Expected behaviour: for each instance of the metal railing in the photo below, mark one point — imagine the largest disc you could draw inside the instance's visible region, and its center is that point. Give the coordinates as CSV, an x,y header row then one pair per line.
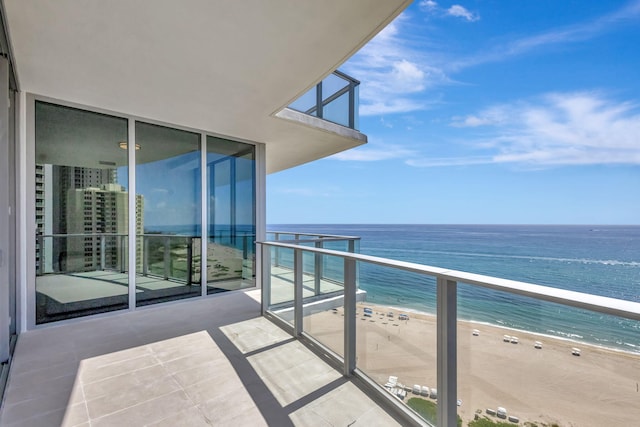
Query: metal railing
x,y
81,252
446,315
334,99
317,266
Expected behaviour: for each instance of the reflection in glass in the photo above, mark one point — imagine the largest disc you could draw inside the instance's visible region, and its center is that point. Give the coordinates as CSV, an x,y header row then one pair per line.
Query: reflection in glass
x,y
167,214
81,213
231,207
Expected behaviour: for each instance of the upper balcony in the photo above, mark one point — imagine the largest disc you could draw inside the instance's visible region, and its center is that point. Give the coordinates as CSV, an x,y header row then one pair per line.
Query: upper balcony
x,y
334,99
230,68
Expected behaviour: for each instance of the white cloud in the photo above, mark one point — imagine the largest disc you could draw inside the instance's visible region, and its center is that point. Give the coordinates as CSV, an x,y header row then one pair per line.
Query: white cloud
x,y
428,5
490,116
457,11
373,153
557,129
308,192
567,34
394,72
390,106
462,12
449,161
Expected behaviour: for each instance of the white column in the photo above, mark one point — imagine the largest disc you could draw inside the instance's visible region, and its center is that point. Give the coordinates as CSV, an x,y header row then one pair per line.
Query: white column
x,y
5,322
131,153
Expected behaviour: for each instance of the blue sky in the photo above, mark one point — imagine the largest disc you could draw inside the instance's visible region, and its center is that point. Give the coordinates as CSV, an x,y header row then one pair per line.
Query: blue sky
x,y
493,111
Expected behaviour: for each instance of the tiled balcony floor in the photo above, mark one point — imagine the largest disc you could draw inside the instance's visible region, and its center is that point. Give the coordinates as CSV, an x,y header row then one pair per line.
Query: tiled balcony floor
x,y
203,362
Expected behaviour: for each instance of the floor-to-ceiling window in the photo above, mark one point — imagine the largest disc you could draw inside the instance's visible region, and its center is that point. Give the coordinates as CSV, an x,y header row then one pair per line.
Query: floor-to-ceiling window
x,y
231,215
168,192
84,223
81,214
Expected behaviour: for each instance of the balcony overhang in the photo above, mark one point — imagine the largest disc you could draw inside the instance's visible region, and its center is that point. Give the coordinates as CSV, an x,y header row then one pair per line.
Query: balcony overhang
x,y
224,67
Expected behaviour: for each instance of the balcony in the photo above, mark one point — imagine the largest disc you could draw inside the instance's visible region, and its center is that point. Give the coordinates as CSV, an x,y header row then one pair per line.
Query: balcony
x,y
334,99
325,353
451,369
211,361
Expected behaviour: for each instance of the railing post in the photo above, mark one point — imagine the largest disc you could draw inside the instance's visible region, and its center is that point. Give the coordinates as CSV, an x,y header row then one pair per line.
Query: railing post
x,y
352,105
123,255
94,252
352,245
318,268
265,252
297,292
145,255
189,260
40,239
276,261
103,250
167,257
319,111
349,316
447,378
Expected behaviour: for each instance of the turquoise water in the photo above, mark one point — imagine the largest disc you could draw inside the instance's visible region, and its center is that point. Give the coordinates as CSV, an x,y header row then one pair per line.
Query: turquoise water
x,y
601,260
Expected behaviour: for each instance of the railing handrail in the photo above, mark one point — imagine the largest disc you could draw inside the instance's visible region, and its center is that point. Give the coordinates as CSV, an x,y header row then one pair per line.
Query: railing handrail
x,y
121,234
319,235
596,303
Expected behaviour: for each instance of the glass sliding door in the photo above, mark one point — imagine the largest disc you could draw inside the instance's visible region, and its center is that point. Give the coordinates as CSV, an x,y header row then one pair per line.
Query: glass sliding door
x,y
81,215
231,215
168,214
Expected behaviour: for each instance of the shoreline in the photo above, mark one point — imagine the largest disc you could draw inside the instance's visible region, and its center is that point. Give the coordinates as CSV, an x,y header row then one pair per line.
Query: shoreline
x,y
509,328
547,385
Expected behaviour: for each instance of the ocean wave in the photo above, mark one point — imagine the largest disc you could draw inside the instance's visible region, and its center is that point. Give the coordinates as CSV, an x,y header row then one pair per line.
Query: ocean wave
x,y
612,262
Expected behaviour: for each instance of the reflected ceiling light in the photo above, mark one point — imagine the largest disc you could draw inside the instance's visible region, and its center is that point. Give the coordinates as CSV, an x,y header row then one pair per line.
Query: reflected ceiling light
x,y
124,145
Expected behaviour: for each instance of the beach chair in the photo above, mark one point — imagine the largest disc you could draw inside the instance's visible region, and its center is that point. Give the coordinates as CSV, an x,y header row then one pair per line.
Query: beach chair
x,y
392,382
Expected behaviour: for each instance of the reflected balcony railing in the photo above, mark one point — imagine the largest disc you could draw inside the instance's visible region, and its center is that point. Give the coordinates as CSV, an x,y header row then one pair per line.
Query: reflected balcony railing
x,y
335,99
442,368
169,257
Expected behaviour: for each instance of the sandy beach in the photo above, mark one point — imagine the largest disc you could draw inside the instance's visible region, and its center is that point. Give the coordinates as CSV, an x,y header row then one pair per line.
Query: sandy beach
x,y
547,385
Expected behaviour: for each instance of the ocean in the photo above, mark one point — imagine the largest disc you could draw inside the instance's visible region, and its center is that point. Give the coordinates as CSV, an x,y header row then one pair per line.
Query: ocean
x,y
601,260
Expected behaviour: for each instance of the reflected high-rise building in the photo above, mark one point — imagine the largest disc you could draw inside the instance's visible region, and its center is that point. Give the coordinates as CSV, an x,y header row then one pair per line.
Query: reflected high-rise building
x,y
97,227
85,213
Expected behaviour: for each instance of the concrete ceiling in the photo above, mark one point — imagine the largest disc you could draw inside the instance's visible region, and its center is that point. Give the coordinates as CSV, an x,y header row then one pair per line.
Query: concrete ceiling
x,y
226,67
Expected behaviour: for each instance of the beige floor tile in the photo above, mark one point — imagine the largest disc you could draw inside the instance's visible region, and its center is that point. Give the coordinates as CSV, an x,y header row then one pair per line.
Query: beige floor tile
x,y
75,415
147,412
191,417
169,365
112,386
130,395
117,368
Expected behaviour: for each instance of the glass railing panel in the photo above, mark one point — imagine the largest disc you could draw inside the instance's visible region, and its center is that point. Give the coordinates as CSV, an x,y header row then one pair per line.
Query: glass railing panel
x,y
337,110
332,84
526,361
324,311
166,268
306,101
396,335
281,289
